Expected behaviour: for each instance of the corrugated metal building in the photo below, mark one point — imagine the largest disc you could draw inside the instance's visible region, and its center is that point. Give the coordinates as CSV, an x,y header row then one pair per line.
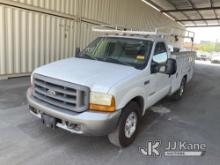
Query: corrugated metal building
x,y
36,32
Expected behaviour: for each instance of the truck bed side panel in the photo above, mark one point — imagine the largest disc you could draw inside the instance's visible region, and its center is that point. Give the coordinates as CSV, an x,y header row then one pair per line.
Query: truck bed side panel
x,y
185,67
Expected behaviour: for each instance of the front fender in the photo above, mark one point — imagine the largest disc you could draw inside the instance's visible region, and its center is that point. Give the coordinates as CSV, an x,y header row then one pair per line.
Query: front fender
x,y
130,88
123,98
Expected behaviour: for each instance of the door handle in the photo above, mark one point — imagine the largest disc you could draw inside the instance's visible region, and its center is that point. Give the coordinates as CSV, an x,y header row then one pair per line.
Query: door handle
x,y
147,82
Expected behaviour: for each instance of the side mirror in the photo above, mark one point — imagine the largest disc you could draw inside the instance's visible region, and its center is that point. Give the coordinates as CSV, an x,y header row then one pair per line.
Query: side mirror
x,y
155,67
77,52
171,66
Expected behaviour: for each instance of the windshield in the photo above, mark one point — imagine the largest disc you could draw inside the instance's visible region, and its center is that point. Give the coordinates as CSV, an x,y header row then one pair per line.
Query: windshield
x,y
124,51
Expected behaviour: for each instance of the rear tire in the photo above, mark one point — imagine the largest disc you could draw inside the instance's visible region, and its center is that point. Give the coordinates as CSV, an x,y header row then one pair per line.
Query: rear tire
x,y
126,130
179,93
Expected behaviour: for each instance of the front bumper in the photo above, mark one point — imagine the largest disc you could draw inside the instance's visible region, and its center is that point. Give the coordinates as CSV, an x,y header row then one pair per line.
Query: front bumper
x,y
87,123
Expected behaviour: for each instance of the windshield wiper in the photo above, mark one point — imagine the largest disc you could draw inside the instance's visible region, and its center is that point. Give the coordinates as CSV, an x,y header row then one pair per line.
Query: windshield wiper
x,y
110,59
113,60
87,56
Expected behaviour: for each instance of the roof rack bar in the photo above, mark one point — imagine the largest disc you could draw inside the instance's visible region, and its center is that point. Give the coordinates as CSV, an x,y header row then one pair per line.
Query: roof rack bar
x,y
131,32
158,32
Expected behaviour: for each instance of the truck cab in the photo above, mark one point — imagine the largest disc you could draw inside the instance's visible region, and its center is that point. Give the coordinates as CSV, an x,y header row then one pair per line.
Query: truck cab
x,y
108,86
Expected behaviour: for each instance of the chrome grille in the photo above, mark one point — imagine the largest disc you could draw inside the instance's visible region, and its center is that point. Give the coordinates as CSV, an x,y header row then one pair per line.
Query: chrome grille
x,y
61,94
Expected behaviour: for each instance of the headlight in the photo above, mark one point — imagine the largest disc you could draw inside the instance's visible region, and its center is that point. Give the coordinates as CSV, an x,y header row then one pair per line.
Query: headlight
x,y
102,102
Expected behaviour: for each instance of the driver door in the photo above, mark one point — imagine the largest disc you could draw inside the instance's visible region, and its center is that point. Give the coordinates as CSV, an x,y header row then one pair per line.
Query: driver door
x,y
160,82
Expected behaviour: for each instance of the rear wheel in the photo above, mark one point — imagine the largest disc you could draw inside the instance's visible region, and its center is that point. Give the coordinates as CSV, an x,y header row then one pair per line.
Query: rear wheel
x,y
178,94
126,130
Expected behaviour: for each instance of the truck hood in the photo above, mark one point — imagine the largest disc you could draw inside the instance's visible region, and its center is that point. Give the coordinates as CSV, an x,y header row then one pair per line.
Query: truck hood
x,y
97,75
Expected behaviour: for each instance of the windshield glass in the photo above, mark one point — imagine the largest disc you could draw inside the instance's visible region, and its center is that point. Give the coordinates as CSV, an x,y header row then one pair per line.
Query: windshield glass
x,y
124,51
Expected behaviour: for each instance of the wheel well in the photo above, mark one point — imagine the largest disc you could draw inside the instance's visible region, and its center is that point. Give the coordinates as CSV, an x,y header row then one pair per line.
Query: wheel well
x,y
140,101
185,77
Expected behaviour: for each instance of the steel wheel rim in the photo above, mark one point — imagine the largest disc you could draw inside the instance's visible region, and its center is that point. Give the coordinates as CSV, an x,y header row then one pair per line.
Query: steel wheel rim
x,y
181,89
130,125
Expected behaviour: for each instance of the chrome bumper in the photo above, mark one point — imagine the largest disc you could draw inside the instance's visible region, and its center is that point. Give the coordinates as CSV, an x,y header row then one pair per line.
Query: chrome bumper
x,y
88,122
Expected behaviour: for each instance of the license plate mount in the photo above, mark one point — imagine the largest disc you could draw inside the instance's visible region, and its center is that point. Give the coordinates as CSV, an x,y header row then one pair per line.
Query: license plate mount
x,y
49,121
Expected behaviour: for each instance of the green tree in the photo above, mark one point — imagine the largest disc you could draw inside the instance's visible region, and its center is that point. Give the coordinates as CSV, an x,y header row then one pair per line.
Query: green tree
x,y
209,47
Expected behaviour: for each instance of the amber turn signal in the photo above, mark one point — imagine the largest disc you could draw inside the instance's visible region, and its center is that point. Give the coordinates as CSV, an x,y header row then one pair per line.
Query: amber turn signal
x,y
104,108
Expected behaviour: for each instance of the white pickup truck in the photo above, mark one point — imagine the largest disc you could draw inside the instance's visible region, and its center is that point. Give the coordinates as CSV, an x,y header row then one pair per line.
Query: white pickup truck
x,y
108,87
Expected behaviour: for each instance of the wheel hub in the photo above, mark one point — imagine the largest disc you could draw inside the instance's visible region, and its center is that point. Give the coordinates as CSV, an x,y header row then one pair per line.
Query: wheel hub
x,y
130,124
181,89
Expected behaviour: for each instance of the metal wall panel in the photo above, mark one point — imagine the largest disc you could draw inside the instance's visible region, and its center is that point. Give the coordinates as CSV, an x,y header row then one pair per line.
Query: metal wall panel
x,y
129,13
30,39
41,31
86,34
133,14
62,6
2,42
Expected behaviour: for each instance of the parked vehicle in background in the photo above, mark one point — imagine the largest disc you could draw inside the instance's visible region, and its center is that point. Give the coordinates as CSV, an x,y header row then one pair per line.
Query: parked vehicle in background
x,y
204,56
109,86
215,58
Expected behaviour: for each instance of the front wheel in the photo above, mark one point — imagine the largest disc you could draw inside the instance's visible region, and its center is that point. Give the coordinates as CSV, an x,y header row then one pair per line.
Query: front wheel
x,y
126,130
178,94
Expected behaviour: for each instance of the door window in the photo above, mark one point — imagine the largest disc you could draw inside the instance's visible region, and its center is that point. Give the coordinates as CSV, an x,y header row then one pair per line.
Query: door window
x,y
160,53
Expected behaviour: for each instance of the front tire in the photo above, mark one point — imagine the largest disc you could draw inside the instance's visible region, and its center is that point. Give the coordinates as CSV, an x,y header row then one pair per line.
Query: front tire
x,y
126,130
178,94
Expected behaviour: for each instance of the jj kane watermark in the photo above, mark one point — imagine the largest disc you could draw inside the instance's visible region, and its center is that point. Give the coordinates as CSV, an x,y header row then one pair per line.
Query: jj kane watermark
x,y
175,148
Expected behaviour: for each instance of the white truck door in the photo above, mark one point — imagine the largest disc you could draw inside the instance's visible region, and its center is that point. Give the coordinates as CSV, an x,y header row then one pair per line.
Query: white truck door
x,y
160,82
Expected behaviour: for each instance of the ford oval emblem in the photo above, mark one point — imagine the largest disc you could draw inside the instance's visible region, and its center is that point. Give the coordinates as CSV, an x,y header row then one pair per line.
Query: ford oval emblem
x,y
51,93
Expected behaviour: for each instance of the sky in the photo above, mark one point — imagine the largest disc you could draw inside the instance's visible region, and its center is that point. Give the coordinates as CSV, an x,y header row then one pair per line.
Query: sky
x,y
206,34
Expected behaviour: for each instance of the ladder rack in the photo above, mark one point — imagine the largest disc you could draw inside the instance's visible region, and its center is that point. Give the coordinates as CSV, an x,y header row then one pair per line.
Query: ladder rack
x,y
158,32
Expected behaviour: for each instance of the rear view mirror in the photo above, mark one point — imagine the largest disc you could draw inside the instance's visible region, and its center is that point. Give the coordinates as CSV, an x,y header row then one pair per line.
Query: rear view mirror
x,y
77,52
171,66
